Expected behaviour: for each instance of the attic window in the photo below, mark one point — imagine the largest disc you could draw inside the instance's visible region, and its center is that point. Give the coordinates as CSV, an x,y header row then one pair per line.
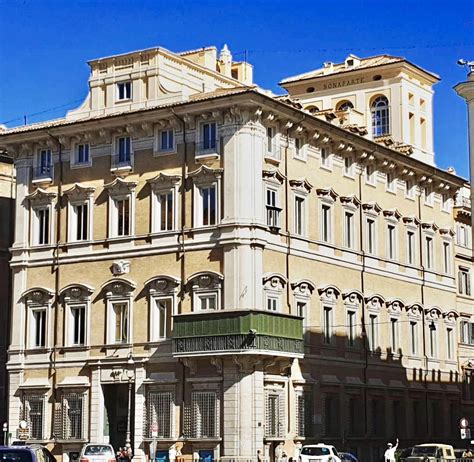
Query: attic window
x,y
234,73
350,62
310,90
377,77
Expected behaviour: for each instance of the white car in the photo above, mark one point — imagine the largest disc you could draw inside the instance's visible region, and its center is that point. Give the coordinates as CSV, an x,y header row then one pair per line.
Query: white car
x,y
319,453
97,453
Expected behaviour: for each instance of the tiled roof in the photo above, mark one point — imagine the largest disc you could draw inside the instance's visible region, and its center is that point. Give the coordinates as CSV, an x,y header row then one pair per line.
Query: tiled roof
x,y
339,68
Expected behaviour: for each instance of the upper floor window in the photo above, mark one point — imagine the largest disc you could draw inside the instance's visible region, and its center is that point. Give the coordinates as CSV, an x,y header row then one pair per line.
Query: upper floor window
x,y
429,257
121,207
391,241
43,225
300,217
206,288
208,143
80,206
206,196
300,148
124,91
208,202
326,223
464,281
273,286
462,235
371,235
409,189
344,105
166,140
467,332
349,166
123,145
272,146
164,202
325,158
411,247
380,116
370,174
446,257
349,230
327,323
44,161
41,215
38,327
82,155
391,182
38,303
373,329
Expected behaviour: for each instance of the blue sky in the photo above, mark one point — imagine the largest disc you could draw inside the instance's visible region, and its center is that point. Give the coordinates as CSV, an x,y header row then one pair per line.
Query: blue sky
x,y
44,46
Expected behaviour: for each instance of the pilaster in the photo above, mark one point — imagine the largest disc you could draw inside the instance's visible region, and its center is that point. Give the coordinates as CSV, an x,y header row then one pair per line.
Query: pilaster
x,y
97,409
139,448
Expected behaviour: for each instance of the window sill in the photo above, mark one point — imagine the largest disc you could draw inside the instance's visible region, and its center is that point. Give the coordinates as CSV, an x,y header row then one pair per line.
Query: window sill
x,y
204,156
272,159
328,168
124,100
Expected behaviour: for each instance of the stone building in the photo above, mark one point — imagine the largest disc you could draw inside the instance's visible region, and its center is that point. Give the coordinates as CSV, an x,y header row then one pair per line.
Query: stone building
x,y
197,261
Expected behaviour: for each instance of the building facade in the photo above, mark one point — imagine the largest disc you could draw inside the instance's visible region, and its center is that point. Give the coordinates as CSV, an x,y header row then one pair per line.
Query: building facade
x,y
198,262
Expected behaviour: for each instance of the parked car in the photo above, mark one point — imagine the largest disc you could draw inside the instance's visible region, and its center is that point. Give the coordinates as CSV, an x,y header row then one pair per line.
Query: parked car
x,y
28,453
431,451
319,453
97,453
348,457
402,454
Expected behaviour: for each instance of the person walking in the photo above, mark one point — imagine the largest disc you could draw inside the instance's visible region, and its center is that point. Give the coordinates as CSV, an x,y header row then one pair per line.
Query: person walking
x,y
389,455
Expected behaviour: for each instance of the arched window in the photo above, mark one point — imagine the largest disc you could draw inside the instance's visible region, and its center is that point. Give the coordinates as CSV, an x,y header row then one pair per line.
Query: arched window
x,y
344,105
312,109
380,116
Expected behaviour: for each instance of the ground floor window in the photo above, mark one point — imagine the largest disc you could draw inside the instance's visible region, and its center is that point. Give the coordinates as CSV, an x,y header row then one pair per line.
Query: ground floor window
x,y
274,413
202,415
69,419
160,413
33,412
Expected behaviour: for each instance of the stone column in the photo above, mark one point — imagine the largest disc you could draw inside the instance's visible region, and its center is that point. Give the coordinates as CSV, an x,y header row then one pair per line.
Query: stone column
x,y
138,444
466,91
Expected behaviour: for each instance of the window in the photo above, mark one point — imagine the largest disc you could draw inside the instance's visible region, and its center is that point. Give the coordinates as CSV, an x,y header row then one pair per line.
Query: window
x,y
462,235
467,332
327,324
349,240
38,330
43,223
433,345
326,223
370,174
410,189
207,302
446,257
300,152
413,337
166,211
123,150
391,182
33,409
371,239
123,216
351,327
449,343
82,154
429,252
166,140
124,91
445,203
373,332
78,317
348,166
71,424
380,116
273,212
391,242
271,148
411,247
272,303
160,407
429,196
344,106
208,138
325,158
331,415
394,334
304,406
204,418
120,322
302,311
44,164
464,281
299,215
81,221
208,205
274,414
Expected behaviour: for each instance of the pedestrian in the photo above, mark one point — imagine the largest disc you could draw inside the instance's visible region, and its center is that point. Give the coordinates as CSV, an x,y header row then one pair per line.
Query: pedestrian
x,y
172,453
259,455
389,455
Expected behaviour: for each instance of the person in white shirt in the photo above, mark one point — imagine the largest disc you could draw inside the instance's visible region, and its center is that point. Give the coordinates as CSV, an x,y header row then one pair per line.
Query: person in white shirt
x,y
389,455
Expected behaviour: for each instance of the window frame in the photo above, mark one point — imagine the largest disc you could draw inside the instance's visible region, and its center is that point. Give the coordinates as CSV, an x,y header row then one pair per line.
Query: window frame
x,y
74,157
383,112
127,88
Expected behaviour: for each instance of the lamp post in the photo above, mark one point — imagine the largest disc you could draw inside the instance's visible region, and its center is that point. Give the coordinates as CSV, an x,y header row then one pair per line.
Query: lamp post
x,y
130,377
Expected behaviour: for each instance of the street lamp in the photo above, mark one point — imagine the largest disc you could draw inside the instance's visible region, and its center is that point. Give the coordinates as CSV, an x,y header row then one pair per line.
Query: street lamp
x,y
130,377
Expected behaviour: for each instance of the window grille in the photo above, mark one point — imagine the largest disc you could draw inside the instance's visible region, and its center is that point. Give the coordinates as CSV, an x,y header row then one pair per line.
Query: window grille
x,y
159,413
202,415
331,414
274,414
33,413
70,421
304,410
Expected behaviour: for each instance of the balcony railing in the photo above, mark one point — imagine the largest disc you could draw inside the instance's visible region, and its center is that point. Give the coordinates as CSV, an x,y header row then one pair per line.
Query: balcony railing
x,y
122,161
208,147
230,331
43,173
273,217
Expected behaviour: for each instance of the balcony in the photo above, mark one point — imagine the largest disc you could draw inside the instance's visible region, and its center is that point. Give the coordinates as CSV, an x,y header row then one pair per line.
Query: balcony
x,y
122,163
208,148
43,174
226,332
273,218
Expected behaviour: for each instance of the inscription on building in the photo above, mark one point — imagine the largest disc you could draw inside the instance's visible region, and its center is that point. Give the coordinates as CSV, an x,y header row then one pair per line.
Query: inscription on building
x,y
342,83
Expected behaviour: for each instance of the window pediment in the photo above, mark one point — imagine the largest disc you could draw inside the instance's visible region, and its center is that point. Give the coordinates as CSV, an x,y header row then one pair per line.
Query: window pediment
x,y
273,176
446,232
79,192
414,310
352,297
41,197
450,316
302,185
303,287
372,208
433,313
392,214
430,226
205,280
38,296
329,292
274,281
374,302
118,287
162,284
205,175
77,292
163,181
327,194
411,220
350,201
120,187
395,306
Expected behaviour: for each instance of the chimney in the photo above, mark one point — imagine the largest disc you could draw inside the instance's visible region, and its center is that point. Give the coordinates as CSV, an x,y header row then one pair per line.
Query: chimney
x,y
225,59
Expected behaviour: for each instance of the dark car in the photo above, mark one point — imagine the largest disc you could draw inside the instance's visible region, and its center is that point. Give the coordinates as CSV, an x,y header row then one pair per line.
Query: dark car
x,y
348,457
30,453
403,453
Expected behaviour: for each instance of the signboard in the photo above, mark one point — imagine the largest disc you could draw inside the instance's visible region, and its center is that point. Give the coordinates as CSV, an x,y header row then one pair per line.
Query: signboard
x,y
465,433
464,422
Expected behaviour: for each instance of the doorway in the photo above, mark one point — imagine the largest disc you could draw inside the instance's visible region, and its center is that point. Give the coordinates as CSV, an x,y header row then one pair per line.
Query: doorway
x,y
116,409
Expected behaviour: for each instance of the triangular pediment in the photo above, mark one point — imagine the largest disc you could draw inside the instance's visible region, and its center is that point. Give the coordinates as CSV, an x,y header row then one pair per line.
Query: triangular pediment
x,y
120,186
